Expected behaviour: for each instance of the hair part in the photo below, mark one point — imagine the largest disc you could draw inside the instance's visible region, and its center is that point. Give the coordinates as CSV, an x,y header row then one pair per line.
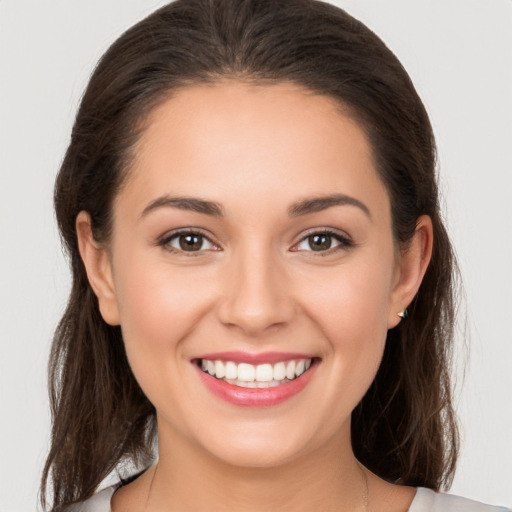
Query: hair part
x,y
404,429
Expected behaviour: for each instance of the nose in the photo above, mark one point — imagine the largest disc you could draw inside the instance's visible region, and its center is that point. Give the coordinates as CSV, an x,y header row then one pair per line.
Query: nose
x,y
257,296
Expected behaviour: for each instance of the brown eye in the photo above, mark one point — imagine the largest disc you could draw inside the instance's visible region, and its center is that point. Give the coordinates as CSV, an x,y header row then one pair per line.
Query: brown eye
x,y
191,242
323,241
187,241
320,242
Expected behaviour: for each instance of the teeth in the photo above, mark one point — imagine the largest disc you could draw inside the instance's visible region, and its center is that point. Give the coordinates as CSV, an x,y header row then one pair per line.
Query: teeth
x,y
219,370
299,369
246,372
255,384
279,371
256,376
231,370
264,373
290,370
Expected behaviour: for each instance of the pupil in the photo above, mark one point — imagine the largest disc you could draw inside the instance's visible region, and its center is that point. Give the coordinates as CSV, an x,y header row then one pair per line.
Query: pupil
x,y
191,242
320,242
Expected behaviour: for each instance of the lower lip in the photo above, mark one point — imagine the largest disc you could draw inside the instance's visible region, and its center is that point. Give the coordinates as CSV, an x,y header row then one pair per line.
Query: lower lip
x,y
256,397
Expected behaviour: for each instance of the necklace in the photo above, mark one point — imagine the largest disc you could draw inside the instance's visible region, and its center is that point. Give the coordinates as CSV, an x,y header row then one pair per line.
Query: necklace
x,y
361,468
150,487
365,493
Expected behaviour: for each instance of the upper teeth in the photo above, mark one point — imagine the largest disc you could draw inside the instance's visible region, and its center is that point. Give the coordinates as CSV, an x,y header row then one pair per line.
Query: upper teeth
x,y
245,372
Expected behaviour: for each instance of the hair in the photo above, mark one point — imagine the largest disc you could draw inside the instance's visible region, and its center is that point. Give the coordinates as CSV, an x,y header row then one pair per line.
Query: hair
x,y
404,429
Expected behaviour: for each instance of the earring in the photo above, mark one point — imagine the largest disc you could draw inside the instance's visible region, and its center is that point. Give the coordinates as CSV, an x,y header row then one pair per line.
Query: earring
x,y
403,313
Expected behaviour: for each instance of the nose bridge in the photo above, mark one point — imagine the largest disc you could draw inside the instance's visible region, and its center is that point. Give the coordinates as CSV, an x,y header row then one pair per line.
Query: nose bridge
x,y
256,294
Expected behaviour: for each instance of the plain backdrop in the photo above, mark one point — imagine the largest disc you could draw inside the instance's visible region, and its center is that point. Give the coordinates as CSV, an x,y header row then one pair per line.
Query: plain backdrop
x,y
459,55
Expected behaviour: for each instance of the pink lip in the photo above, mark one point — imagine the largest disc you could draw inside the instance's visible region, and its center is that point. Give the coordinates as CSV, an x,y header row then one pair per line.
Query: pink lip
x,y
262,357
256,397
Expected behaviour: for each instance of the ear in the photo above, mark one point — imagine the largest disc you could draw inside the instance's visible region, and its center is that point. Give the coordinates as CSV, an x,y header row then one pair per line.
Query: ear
x,y
99,269
411,267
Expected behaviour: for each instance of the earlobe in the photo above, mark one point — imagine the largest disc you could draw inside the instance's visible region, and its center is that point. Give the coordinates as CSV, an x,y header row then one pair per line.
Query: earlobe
x,y
98,268
412,266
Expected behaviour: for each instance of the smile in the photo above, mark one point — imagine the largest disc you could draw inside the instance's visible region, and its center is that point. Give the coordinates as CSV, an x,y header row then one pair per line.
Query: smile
x,y
255,380
259,376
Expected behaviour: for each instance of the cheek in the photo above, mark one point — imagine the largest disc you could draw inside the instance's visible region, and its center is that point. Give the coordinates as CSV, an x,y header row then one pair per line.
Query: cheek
x,y
351,301
350,306
159,305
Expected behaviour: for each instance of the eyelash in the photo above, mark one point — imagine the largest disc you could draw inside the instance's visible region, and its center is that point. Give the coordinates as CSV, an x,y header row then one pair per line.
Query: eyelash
x,y
344,241
169,237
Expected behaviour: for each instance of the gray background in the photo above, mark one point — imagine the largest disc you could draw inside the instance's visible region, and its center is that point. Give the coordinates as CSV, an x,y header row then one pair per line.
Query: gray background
x,y
459,54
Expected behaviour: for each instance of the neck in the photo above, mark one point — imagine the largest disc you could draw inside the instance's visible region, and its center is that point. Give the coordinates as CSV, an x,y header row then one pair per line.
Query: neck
x,y
188,478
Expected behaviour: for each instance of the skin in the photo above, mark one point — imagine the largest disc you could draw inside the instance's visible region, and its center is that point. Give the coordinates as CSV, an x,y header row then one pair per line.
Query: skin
x,y
256,285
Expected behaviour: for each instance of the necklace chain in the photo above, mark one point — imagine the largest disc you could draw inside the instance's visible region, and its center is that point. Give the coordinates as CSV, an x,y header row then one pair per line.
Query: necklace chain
x,y
150,487
365,493
361,468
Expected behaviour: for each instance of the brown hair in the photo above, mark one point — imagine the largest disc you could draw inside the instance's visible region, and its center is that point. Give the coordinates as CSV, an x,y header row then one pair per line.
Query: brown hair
x,y
404,429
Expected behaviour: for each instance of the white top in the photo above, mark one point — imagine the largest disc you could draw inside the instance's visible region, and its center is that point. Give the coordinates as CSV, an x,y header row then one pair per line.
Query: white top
x,y
425,500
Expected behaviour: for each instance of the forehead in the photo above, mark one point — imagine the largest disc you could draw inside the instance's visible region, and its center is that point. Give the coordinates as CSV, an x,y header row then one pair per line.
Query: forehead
x,y
209,112
259,140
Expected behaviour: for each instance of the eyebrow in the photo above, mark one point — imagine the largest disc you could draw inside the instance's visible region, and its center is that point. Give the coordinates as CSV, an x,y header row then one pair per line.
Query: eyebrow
x,y
185,203
318,204
303,207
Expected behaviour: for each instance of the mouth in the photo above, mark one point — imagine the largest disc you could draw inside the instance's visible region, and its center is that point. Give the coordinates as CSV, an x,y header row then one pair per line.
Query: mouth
x,y
244,383
259,376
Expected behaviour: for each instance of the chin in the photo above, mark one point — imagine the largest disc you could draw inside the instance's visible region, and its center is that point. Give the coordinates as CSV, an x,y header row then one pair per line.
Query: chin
x,y
253,446
253,456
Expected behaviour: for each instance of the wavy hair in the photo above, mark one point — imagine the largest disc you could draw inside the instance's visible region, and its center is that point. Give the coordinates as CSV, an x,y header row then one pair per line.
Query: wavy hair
x,y
404,429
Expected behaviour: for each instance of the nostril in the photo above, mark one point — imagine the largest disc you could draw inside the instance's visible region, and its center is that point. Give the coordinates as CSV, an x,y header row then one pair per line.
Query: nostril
x,y
255,297
253,318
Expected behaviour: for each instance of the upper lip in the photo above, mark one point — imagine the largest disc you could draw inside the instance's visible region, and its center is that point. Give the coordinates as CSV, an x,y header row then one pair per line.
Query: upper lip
x,y
259,358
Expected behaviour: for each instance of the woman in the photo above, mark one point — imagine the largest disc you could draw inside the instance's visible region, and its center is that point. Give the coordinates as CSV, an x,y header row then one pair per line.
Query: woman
x,y
261,278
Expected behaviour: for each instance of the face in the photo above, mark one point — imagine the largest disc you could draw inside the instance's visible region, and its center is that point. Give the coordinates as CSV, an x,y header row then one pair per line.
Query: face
x,y
253,240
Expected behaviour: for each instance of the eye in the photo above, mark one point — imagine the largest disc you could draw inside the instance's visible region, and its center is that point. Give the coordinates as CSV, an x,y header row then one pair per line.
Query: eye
x,y
322,242
187,241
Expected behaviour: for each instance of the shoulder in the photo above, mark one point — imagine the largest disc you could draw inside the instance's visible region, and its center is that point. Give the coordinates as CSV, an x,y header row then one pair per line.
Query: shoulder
x,y
427,500
100,502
